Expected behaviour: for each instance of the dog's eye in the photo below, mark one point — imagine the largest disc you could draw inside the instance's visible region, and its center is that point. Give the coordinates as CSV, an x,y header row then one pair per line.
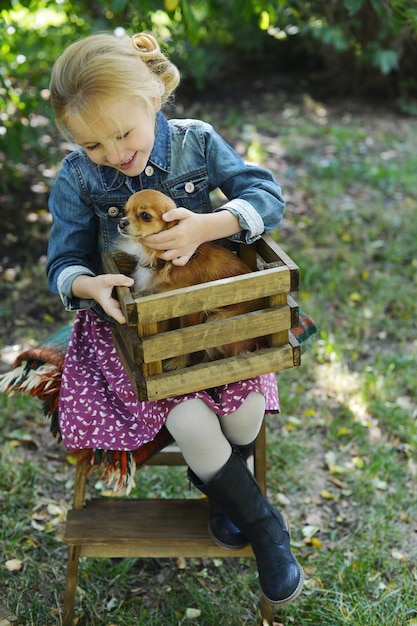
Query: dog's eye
x,y
146,217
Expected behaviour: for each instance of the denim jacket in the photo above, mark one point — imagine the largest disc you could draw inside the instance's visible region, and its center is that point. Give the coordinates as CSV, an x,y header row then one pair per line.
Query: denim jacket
x,y
188,161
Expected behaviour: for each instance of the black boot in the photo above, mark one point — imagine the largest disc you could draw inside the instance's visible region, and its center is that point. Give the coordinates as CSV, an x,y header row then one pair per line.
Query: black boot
x,y
236,492
221,528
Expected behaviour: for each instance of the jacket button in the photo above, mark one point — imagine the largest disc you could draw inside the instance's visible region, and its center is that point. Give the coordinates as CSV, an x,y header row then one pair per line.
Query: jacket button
x,y
189,187
149,170
113,211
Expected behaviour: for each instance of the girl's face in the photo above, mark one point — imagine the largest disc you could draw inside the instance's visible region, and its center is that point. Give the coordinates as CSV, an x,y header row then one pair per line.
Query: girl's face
x,y
123,138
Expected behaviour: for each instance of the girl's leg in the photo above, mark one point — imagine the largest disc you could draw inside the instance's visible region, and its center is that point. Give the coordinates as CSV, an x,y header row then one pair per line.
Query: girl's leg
x,y
243,425
196,430
234,490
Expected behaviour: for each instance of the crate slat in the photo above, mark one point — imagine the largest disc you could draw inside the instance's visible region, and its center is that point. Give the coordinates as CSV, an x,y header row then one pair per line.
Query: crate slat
x,y
216,333
221,372
211,295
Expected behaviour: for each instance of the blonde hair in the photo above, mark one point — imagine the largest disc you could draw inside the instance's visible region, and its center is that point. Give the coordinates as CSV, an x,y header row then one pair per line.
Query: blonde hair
x,y
103,69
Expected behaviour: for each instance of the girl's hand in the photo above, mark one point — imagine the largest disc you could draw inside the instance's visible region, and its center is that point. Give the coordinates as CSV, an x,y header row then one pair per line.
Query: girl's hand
x,y
100,288
178,244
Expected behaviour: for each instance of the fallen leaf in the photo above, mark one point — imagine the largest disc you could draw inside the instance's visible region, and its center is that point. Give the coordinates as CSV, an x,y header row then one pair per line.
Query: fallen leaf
x,y
55,510
191,613
358,462
334,468
327,495
313,541
343,431
13,565
338,483
310,530
398,556
112,604
381,485
283,500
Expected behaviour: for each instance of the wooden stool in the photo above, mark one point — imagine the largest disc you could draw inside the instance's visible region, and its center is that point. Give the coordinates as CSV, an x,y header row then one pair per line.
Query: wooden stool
x,y
146,528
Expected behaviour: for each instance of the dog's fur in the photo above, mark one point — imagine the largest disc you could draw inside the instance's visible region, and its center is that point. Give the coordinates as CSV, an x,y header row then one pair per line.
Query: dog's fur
x,y
143,217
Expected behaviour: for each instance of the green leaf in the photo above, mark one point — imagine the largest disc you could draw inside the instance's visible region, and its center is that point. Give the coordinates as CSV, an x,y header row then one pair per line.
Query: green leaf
x,y
118,5
190,22
386,60
353,6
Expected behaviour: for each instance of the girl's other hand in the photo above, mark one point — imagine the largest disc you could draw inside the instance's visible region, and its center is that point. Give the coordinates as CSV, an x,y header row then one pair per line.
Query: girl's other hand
x,y
100,288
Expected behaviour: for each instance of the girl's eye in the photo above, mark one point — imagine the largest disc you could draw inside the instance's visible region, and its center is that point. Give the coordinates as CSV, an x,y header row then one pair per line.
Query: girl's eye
x,y
123,136
93,147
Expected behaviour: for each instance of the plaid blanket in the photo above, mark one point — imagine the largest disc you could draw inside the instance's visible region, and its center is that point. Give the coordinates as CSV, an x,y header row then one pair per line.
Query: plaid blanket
x,y
38,372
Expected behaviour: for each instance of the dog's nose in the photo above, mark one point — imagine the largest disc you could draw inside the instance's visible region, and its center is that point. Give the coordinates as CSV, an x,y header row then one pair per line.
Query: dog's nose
x,y
124,222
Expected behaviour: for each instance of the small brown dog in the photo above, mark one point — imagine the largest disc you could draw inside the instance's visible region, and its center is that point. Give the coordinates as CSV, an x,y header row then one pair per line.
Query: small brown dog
x,y
144,211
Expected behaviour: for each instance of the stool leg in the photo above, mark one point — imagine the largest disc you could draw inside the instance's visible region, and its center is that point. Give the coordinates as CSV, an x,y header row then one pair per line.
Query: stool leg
x,y
267,610
74,551
71,584
260,459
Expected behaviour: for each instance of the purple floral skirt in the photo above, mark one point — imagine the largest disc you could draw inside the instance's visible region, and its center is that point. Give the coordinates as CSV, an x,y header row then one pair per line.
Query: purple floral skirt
x,y
98,407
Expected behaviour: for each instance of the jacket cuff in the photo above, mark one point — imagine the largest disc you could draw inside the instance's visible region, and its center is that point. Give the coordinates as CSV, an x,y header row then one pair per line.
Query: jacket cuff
x,y
250,221
64,285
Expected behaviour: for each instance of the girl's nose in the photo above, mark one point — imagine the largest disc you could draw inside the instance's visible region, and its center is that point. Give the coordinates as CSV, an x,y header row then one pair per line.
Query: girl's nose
x,y
112,155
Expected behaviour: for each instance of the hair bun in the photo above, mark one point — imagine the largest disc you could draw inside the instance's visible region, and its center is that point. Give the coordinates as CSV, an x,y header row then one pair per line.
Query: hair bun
x,y
145,43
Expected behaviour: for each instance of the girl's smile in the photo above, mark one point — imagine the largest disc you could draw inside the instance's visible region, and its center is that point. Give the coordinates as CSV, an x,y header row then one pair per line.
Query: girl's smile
x,y
128,164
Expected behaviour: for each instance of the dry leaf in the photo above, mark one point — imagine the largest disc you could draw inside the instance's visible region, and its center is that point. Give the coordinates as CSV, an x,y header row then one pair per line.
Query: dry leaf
x,y
13,565
313,541
310,530
398,556
327,495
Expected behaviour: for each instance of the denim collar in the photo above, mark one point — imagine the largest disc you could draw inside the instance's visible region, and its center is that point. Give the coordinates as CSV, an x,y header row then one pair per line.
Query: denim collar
x,y
160,156
161,151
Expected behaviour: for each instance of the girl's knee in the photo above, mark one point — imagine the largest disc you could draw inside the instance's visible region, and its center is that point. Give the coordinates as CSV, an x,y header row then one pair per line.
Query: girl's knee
x,y
253,405
190,416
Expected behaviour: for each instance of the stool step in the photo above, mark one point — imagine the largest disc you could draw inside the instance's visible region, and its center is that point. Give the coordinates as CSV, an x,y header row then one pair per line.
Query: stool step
x,y
119,527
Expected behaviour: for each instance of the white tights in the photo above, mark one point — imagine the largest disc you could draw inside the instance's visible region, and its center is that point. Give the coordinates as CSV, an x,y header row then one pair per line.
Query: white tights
x,y
205,439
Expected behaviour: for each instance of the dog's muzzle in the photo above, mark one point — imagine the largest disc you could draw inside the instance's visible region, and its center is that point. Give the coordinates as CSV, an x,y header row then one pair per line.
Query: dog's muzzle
x,y
122,226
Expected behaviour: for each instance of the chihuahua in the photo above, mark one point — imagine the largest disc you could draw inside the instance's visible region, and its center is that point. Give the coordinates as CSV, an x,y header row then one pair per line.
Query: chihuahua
x,y
143,216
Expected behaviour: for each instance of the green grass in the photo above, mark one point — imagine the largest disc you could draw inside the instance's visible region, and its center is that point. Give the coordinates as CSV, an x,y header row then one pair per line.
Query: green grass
x,y
342,454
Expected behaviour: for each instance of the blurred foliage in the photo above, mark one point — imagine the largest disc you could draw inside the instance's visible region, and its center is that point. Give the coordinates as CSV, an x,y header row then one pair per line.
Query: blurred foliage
x,y
359,46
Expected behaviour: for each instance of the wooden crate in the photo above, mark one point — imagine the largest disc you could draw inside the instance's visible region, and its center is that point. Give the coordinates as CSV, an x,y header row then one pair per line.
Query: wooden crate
x,y
142,348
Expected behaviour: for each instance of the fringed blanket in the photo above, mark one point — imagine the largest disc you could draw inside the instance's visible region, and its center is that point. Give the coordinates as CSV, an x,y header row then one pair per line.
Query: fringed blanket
x,y
38,372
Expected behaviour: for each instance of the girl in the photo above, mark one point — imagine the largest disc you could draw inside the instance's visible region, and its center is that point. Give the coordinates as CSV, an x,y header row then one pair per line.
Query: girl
x,y
107,93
